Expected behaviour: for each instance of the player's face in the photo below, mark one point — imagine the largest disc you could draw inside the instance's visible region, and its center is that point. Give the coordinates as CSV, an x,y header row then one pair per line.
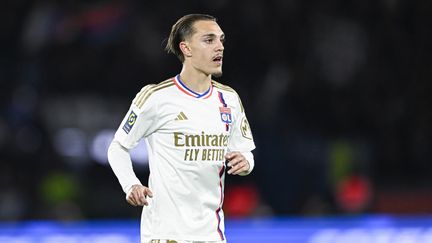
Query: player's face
x,y
206,46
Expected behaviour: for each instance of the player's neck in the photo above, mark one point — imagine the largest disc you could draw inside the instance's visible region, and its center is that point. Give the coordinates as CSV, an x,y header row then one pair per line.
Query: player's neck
x,y
194,80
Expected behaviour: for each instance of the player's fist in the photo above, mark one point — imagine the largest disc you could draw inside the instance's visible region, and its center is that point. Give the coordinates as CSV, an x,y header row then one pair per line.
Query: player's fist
x,y
237,162
137,195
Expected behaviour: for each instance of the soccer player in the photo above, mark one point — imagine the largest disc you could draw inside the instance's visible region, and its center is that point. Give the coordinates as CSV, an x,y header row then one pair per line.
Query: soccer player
x,y
192,125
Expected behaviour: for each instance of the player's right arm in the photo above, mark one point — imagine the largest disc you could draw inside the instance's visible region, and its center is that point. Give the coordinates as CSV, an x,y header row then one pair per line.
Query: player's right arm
x,y
139,122
121,163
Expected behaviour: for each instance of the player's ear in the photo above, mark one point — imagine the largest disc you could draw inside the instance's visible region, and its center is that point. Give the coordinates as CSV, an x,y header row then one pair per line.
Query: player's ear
x,y
184,47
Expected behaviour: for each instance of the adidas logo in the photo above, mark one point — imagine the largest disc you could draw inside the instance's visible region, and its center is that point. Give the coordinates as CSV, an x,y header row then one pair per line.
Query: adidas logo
x,y
181,117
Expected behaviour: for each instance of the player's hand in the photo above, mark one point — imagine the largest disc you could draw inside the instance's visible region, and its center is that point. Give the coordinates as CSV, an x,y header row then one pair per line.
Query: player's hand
x,y
237,163
137,195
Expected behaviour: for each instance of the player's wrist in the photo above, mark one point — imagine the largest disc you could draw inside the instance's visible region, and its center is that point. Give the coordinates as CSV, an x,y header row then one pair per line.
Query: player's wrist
x,y
130,187
250,160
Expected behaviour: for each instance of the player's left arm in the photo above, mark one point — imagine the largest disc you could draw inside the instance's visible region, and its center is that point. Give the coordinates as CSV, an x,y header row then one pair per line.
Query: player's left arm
x,y
240,158
240,163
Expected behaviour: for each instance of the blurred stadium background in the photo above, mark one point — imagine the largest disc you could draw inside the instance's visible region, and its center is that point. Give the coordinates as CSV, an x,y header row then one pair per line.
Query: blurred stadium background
x,y
338,94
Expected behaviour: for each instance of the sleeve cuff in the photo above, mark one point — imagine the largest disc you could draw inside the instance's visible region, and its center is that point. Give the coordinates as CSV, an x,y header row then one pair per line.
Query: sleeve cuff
x,y
250,158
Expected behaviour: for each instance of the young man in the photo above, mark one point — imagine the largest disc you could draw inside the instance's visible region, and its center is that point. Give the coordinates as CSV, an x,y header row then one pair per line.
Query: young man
x,y
192,126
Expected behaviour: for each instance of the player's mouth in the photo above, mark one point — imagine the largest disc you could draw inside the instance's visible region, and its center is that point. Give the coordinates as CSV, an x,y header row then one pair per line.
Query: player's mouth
x,y
218,60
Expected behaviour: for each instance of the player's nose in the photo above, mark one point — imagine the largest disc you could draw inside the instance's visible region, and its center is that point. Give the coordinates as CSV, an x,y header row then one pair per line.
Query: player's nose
x,y
220,46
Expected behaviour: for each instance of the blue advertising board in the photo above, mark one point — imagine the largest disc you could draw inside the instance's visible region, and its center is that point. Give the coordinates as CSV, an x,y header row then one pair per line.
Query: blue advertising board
x,y
366,229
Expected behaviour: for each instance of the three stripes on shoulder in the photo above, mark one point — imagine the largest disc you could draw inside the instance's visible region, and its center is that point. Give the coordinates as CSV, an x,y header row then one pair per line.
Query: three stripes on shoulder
x,y
148,90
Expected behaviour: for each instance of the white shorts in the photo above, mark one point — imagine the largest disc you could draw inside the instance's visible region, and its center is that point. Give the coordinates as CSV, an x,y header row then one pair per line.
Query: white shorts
x,y
185,241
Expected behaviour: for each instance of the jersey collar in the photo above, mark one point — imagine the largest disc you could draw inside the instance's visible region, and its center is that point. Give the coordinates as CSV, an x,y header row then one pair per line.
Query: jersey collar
x,y
180,85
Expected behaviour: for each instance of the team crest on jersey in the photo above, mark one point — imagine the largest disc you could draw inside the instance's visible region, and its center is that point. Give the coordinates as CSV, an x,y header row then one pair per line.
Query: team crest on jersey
x,y
245,128
130,122
225,114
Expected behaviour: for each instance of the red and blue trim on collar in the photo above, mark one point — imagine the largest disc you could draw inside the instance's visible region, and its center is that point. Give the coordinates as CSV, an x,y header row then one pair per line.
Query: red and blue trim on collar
x,y
182,87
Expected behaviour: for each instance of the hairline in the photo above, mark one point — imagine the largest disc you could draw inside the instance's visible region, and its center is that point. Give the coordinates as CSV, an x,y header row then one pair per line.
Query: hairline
x,y
194,30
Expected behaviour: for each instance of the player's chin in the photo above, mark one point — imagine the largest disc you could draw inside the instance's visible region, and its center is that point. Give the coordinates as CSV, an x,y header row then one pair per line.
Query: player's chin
x,y
217,74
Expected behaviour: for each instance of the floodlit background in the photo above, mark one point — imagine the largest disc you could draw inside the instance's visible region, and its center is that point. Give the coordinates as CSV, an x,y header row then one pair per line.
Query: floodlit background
x,y
338,95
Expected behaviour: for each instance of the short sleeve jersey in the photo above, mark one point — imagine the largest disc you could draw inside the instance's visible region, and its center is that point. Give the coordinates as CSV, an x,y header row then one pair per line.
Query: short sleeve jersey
x,y
187,136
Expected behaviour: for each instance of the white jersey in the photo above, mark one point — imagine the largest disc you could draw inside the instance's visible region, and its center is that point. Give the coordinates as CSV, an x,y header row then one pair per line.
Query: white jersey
x,y
187,136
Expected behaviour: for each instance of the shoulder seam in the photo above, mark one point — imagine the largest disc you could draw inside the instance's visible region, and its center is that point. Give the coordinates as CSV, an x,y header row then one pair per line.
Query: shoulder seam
x,y
148,90
223,87
166,81
142,93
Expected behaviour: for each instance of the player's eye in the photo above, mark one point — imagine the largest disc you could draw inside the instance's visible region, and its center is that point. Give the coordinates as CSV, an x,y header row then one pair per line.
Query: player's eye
x,y
208,41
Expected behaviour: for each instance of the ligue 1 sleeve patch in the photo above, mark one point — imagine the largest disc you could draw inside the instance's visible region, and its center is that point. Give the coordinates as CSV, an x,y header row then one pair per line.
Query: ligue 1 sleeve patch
x,y
130,122
245,128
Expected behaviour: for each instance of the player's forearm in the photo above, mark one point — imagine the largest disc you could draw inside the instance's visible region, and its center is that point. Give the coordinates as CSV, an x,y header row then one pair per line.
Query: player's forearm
x,y
121,163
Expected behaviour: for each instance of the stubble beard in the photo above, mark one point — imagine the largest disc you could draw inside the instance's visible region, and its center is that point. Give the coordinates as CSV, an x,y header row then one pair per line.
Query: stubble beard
x,y
217,75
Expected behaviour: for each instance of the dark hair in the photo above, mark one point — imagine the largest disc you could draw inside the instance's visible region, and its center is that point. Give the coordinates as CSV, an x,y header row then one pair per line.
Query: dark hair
x,y
183,29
